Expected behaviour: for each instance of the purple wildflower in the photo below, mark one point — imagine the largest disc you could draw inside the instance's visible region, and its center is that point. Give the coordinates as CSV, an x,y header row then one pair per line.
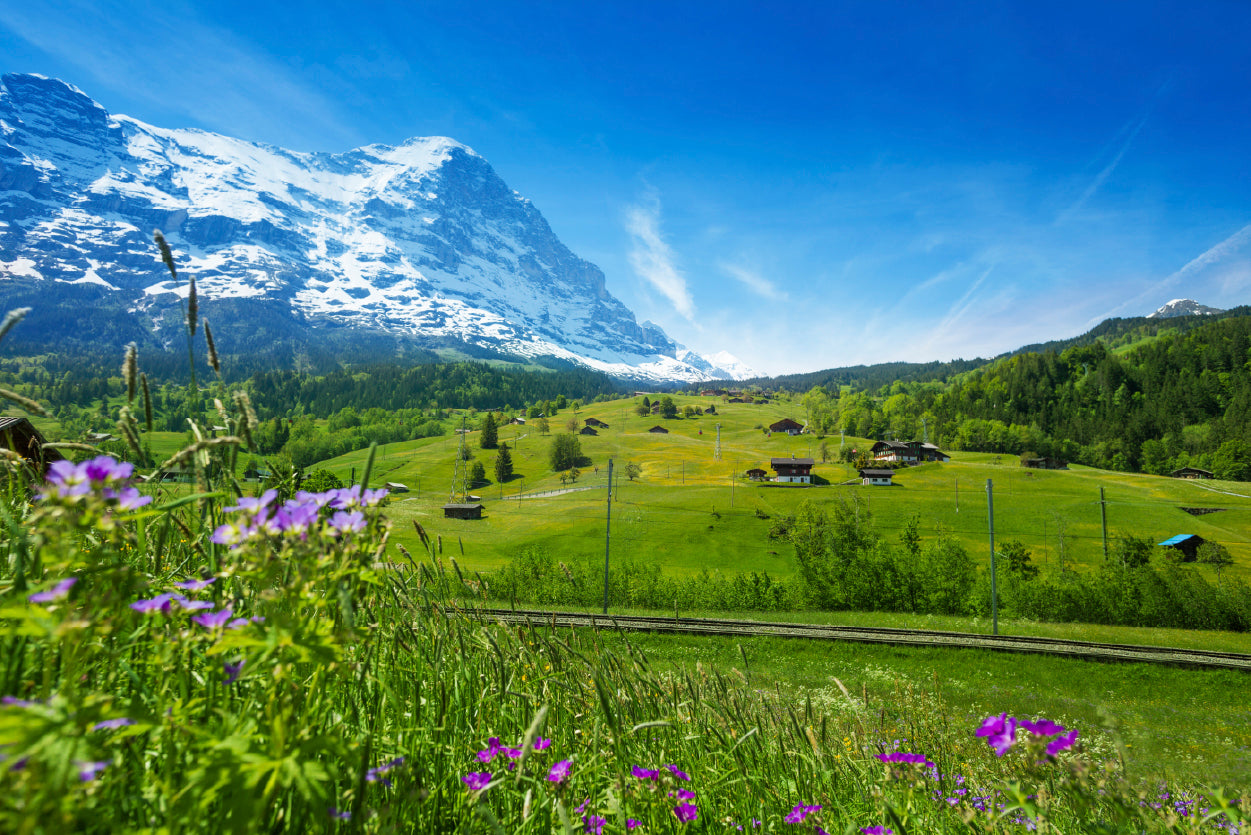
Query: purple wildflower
x,y
1061,743
686,812
594,824
476,781
160,603
800,812
12,701
1043,727
112,724
129,499
338,815
631,823
683,794
542,744
877,830
196,585
88,771
191,605
645,773
493,747
344,522
378,774
249,503
581,807
1000,732
233,671
214,620
677,772
559,772
58,592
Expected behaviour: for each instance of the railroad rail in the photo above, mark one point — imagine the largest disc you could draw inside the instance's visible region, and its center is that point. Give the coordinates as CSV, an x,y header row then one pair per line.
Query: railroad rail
x,y
873,635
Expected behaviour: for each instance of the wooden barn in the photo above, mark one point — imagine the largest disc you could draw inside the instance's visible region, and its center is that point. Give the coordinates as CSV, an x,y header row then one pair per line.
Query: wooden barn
x,y
757,474
1192,472
1044,464
463,510
21,436
658,430
587,430
788,426
596,422
1187,543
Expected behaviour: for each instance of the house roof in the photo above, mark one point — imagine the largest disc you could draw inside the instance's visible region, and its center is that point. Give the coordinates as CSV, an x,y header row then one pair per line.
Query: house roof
x,y
1178,540
785,423
877,473
462,505
755,470
790,462
659,430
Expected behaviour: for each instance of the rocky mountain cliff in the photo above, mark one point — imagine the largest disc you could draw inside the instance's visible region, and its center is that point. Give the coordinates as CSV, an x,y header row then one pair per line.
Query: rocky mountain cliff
x,y
420,244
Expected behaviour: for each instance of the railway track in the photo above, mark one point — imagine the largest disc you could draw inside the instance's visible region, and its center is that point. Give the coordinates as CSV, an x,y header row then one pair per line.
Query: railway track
x,y
872,635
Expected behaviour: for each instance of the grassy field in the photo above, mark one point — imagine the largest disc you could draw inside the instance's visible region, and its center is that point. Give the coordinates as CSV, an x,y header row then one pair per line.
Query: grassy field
x,y
688,511
1167,722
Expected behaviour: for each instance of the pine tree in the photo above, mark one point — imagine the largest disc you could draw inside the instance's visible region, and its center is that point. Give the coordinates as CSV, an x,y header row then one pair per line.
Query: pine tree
x,y
490,432
503,464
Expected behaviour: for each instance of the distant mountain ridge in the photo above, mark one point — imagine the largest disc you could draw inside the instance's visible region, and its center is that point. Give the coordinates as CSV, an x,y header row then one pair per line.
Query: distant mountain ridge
x,y
1183,307
418,246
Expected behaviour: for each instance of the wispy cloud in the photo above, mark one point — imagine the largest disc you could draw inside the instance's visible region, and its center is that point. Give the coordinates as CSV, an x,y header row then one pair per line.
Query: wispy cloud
x,y
754,281
1106,172
652,258
174,59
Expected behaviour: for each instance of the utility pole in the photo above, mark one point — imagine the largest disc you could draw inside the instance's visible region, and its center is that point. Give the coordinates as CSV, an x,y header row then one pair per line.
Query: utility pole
x,y
1103,512
607,534
718,453
994,596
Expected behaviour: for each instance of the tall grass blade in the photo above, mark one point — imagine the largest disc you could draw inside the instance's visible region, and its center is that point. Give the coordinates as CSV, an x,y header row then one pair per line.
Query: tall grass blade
x,y
11,319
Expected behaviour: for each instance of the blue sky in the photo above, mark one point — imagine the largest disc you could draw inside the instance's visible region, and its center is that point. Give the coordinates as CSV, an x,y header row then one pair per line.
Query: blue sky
x,y
803,185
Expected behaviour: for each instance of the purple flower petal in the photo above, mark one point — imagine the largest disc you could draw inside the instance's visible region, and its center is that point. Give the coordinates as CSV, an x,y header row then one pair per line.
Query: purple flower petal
x,y
213,620
1062,743
58,592
233,671
88,771
160,603
112,724
646,773
542,744
196,585
677,772
686,812
559,772
476,781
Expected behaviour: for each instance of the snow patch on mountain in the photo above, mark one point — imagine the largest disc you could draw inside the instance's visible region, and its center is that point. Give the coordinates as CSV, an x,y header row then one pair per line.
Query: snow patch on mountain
x,y
421,240
1183,307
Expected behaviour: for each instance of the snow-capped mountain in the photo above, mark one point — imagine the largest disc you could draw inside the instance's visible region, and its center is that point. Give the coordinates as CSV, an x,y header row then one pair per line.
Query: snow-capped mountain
x,y
1183,307
422,241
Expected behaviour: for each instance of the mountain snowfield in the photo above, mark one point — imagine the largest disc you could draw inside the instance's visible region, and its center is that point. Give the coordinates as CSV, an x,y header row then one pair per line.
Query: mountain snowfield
x,y
422,241
1183,307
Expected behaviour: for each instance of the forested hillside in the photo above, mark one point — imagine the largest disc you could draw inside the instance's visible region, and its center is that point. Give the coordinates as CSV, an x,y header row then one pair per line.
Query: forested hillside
x,y
1182,399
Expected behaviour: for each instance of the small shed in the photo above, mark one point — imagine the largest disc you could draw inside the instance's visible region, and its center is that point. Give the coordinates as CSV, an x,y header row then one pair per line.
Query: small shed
x,y
21,436
1187,543
1044,464
1192,472
256,474
396,487
757,474
587,430
790,427
877,478
596,422
658,430
517,421
462,510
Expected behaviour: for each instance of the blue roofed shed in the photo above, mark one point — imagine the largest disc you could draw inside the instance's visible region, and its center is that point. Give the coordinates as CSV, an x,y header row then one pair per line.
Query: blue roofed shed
x,y
1187,543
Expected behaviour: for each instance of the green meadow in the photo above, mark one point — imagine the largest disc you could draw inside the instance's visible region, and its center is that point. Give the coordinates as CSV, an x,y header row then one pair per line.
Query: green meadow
x,y
689,511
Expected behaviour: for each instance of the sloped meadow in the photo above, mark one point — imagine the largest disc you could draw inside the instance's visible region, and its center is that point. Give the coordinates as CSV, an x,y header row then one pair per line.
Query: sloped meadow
x,y
226,662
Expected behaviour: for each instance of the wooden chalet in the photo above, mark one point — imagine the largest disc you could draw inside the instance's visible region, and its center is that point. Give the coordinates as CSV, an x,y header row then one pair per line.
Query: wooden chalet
x,y
587,430
788,426
877,478
517,421
792,470
927,452
1044,463
1192,472
596,422
21,436
757,474
658,430
1187,543
396,487
893,451
463,510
